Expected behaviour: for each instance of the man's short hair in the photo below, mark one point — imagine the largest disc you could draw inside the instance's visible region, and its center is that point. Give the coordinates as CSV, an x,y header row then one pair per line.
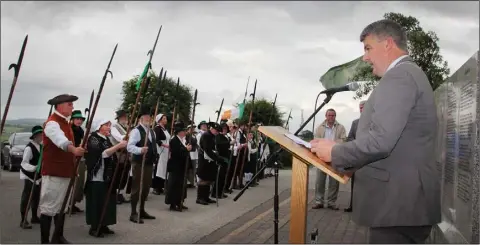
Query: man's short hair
x,y
331,109
386,28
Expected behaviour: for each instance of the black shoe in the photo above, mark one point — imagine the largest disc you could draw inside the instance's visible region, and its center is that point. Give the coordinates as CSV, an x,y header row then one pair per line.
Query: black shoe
x,y
135,219
76,209
25,225
145,215
93,232
348,210
175,208
201,201
211,201
184,207
106,230
318,206
59,240
332,207
35,220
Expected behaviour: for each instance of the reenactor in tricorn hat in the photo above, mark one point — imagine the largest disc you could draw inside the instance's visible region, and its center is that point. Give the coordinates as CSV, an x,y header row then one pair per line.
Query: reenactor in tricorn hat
x,y
179,160
29,165
208,159
118,133
58,162
138,150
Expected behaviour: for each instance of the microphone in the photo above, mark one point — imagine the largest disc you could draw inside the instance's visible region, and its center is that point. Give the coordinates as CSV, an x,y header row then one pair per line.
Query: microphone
x,y
353,86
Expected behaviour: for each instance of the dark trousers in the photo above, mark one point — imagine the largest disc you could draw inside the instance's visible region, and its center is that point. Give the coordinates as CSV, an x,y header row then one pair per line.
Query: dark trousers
x,y
27,188
147,181
399,234
230,173
221,182
351,191
158,183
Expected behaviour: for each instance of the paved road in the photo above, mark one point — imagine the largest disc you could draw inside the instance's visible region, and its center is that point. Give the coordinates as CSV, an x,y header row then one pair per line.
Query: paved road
x,y
169,227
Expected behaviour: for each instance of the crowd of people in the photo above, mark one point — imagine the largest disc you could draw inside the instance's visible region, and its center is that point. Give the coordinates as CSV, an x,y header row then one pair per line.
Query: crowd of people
x,y
120,165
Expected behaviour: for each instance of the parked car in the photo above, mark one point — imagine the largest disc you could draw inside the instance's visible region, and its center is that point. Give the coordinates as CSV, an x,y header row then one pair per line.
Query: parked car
x,y
12,152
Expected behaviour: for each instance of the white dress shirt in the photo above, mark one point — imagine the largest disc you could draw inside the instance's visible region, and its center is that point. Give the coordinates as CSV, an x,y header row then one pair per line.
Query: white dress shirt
x,y
27,157
135,138
55,134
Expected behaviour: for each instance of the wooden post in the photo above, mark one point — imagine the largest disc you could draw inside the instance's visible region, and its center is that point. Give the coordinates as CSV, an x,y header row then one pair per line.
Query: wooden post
x,y
298,210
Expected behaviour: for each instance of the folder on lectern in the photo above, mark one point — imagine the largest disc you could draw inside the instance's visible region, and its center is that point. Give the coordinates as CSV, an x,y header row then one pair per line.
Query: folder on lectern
x,y
302,157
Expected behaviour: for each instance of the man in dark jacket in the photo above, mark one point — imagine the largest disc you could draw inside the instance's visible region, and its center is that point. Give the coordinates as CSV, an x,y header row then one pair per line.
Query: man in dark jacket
x,y
77,120
351,136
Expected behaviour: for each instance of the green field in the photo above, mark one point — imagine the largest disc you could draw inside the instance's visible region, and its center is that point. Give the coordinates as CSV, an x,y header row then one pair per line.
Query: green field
x,y
9,129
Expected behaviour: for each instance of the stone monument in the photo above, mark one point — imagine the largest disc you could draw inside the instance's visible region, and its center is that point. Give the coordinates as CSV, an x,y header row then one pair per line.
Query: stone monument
x,y
458,155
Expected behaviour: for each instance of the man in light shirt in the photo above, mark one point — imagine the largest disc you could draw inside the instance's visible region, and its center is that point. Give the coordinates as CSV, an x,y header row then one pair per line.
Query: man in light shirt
x,y
332,130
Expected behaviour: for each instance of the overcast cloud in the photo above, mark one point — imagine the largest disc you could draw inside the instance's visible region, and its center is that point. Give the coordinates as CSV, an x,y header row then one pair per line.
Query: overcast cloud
x,y
212,46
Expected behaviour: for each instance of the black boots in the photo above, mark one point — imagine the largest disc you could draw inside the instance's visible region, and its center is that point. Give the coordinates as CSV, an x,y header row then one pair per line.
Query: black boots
x,y
45,224
134,217
59,221
202,194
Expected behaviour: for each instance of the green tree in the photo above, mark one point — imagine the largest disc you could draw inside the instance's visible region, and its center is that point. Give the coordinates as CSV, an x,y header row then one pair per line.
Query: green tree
x,y
167,94
306,135
423,48
263,113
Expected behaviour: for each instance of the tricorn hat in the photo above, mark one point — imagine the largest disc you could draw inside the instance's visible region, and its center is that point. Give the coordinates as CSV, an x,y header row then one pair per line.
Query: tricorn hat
x,y
77,114
144,111
36,130
63,98
201,123
120,113
178,126
224,125
215,126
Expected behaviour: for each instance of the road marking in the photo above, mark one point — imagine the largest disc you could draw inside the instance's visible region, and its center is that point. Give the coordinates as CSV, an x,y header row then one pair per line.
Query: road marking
x,y
242,228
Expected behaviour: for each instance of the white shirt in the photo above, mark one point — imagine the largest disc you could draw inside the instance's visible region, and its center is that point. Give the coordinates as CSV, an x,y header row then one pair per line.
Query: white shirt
x,y
115,133
55,134
329,132
135,138
395,62
27,156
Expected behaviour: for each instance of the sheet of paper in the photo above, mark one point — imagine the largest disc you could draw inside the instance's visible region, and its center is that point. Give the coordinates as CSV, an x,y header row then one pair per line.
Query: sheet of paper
x,y
298,140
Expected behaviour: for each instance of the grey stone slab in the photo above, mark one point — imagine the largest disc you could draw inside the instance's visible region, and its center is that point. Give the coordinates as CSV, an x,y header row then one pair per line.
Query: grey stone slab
x,y
458,154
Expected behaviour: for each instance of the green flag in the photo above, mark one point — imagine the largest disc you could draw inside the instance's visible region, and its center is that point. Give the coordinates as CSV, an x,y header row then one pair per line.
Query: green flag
x,y
340,75
241,109
144,73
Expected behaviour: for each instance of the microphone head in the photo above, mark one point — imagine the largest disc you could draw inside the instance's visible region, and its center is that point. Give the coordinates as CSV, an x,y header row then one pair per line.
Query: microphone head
x,y
353,86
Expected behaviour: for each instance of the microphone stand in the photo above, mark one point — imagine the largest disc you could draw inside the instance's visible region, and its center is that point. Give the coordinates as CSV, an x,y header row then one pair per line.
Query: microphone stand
x,y
273,159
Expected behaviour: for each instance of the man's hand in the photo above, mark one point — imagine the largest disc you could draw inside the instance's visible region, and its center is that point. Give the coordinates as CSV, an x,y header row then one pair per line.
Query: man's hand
x,y
122,144
78,151
323,149
189,147
144,150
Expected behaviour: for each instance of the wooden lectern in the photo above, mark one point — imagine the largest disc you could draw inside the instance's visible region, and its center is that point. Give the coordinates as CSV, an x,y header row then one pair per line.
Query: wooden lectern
x,y
302,157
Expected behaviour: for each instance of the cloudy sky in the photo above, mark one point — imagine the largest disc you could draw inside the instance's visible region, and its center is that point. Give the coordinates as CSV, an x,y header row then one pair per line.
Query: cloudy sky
x,y
212,46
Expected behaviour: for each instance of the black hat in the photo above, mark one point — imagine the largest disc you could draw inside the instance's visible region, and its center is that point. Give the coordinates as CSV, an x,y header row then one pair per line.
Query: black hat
x,y
62,99
36,130
178,126
144,111
120,113
224,125
215,126
201,123
77,114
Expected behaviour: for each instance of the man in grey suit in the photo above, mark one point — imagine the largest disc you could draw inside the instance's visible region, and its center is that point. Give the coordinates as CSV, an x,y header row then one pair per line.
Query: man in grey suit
x,y
350,137
397,188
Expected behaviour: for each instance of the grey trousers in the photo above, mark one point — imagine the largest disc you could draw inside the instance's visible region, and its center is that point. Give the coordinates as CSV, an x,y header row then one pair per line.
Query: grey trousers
x,y
399,234
320,183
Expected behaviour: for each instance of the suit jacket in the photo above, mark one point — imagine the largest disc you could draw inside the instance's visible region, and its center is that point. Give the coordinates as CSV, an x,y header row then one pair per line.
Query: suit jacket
x,y
179,155
396,181
353,130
